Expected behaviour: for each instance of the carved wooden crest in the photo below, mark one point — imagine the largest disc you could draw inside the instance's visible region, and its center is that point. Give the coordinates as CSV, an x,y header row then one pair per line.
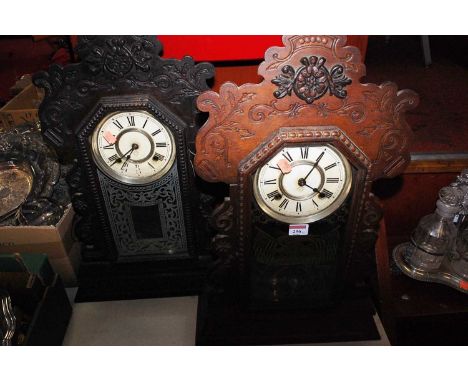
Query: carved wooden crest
x,y
113,65
311,81
311,92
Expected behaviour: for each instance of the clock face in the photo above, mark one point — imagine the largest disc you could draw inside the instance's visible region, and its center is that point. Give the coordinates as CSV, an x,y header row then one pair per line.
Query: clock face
x,y
133,147
303,184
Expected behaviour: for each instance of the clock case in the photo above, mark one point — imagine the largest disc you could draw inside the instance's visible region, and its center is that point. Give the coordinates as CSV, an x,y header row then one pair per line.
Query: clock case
x,y
123,73
310,94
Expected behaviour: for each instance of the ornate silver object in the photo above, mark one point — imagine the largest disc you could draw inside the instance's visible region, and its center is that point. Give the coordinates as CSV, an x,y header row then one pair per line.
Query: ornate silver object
x,y
7,318
16,183
438,251
32,184
444,275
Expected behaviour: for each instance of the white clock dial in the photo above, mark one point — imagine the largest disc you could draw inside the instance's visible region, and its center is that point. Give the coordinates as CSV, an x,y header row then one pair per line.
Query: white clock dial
x,y
303,184
133,147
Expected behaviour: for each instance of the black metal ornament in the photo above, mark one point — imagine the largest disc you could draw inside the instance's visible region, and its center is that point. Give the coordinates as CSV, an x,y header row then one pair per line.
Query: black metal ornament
x,y
311,81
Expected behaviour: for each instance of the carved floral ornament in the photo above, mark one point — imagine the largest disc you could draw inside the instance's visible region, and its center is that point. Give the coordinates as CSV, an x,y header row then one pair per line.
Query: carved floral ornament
x,y
310,81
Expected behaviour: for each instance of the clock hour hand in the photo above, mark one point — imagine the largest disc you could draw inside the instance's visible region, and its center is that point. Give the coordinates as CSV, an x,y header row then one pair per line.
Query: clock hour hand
x,y
321,194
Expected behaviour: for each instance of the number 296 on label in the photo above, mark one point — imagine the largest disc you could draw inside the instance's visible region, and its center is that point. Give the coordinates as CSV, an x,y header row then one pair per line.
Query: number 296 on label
x,y
298,229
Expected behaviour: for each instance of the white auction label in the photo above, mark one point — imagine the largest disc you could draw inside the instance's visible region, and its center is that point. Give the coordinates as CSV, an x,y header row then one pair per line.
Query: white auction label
x,y
298,229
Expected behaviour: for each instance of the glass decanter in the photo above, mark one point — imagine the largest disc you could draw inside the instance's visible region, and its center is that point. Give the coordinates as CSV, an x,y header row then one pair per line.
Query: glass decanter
x,y
459,258
435,234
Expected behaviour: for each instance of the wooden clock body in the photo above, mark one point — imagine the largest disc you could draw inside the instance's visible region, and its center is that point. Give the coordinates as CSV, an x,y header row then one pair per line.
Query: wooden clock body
x,y
311,95
148,230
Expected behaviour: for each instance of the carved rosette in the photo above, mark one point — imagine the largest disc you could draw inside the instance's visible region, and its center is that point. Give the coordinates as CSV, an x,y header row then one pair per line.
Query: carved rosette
x,y
311,81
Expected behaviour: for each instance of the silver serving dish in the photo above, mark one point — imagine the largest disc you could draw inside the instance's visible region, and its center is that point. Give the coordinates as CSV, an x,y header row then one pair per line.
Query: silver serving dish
x,y
16,183
444,275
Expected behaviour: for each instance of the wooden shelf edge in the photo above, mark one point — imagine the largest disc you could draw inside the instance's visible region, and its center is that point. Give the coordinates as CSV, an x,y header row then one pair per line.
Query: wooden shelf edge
x,y
437,163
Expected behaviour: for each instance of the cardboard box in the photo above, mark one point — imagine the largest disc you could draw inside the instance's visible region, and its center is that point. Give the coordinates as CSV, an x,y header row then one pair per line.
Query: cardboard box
x,y
21,84
67,267
22,108
55,241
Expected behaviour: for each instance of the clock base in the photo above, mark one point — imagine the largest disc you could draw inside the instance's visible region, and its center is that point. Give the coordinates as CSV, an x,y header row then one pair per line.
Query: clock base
x,y
127,281
224,324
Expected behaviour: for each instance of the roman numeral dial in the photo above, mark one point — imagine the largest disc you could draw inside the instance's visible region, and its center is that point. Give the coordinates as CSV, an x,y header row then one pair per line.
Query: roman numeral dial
x,y
133,147
303,184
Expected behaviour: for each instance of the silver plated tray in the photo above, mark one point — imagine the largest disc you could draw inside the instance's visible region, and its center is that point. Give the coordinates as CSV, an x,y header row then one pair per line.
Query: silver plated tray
x,y
16,183
444,275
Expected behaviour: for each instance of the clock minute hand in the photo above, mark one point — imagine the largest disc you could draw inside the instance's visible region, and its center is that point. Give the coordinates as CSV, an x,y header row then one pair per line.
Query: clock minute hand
x,y
128,157
315,165
120,158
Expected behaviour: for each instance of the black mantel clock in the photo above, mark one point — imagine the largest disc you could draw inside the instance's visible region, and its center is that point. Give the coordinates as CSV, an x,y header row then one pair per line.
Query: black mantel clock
x,y
127,119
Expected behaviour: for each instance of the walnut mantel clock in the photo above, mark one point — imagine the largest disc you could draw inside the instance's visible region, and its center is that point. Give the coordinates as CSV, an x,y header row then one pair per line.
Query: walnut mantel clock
x,y
300,151
127,119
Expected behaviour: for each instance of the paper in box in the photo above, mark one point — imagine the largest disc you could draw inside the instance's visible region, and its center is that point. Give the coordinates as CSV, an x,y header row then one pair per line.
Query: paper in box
x,y
55,241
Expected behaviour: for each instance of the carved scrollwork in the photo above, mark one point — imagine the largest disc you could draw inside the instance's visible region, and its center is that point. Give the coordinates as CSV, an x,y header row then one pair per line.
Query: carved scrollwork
x,y
115,65
222,221
115,56
308,68
222,218
311,81
364,260
165,194
356,112
222,246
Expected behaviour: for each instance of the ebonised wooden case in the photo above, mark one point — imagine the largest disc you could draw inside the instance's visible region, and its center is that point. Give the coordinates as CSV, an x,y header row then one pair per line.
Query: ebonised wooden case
x,y
116,219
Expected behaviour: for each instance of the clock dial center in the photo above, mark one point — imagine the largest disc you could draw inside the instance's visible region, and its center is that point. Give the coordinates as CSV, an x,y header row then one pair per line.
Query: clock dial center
x,y
135,145
295,185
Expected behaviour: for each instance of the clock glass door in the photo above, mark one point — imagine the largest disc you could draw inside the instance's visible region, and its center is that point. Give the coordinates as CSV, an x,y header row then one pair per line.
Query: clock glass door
x,y
303,184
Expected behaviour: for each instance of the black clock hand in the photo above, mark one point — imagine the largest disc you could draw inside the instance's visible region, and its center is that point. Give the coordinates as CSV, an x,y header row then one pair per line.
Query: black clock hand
x,y
119,159
128,157
315,165
321,194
